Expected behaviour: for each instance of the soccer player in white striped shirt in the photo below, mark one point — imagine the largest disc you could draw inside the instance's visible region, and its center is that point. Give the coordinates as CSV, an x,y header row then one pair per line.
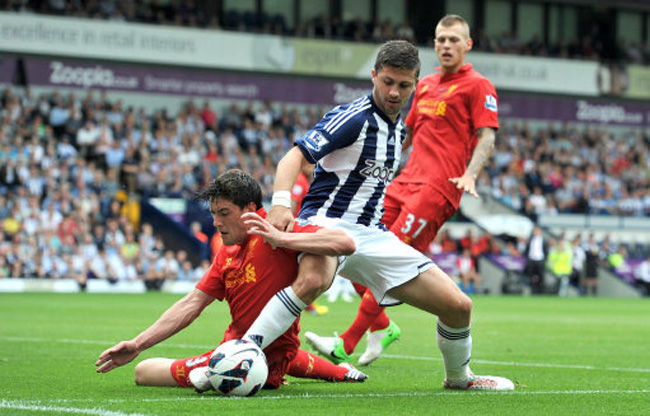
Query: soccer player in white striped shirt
x,y
356,149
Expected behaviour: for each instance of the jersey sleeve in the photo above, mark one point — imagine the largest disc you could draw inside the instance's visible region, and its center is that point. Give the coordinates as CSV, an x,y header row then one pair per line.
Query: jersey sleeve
x,y
337,129
304,227
212,281
484,105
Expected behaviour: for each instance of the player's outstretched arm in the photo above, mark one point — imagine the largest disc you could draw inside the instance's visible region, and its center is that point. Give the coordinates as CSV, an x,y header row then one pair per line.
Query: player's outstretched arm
x,y
324,241
482,152
173,320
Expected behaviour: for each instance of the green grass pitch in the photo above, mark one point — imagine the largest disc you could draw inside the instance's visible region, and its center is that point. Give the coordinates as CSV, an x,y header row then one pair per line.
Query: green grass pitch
x,y
579,356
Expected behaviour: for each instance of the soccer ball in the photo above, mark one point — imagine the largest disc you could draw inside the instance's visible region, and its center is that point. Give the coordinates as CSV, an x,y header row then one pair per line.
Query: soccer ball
x,y
238,368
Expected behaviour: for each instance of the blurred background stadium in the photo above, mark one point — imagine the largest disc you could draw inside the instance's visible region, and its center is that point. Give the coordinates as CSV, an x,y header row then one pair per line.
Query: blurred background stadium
x,y
114,113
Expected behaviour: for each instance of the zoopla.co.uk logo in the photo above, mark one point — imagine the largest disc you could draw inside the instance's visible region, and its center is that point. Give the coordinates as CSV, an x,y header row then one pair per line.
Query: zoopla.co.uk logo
x,y
87,77
376,170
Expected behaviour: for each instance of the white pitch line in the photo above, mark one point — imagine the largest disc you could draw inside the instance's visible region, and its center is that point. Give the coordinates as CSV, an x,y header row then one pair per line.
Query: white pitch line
x,y
361,396
518,364
21,405
398,357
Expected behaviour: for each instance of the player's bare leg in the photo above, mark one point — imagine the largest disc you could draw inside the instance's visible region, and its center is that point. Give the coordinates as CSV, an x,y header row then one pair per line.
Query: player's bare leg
x,y
155,372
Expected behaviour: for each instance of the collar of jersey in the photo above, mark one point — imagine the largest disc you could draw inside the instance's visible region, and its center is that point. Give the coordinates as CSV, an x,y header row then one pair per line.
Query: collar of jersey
x,y
381,113
465,68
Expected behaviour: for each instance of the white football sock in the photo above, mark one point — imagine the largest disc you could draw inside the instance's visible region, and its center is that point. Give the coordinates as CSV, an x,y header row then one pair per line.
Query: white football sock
x,y
277,316
456,347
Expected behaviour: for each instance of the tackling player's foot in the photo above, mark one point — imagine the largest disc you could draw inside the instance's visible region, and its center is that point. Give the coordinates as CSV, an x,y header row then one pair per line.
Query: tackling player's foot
x,y
200,379
475,382
378,341
353,375
329,347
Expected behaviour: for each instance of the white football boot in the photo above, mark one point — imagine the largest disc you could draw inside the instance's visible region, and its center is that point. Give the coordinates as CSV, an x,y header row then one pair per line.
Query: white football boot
x,y
475,382
378,341
200,379
353,375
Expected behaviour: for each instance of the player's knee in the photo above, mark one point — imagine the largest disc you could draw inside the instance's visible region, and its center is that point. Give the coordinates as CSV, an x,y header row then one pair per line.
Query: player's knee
x,y
311,285
462,308
140,373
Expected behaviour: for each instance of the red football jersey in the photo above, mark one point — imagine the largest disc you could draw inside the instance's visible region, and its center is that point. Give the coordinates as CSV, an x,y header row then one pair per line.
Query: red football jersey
x,y
247,276
445,115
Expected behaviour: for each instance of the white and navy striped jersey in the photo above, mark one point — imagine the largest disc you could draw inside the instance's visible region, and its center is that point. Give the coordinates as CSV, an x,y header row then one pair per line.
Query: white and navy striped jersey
x,y
356,149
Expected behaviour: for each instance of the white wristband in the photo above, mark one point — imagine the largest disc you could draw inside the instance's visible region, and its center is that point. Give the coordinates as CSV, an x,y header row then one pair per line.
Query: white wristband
x,y
282,198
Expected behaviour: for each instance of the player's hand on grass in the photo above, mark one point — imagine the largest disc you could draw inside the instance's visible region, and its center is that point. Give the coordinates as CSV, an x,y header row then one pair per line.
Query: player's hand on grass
x,y
118,355
465,183
281,218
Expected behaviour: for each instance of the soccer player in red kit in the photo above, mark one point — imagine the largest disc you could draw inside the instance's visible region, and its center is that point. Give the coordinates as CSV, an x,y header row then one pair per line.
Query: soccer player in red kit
x,y
256,261
452,126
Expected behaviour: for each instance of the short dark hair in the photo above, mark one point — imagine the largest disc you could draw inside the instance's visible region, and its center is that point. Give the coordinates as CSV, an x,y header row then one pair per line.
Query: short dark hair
x,y
452,19
236,186
398,54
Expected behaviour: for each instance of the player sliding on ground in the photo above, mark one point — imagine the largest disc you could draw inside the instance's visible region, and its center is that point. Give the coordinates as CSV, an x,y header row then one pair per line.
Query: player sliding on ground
x,y
246,272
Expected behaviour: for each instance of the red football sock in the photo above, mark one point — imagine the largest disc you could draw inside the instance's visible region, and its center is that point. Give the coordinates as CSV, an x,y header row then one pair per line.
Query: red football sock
x,y
307,365
369,310
360,289
381,322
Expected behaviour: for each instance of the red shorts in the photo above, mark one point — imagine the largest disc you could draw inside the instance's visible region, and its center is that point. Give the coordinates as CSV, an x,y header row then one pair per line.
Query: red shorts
x,y
278,360
415,212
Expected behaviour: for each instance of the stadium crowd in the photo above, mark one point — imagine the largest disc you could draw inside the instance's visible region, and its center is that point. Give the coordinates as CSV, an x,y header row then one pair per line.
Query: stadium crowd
x,y
593,46
69,165
567,169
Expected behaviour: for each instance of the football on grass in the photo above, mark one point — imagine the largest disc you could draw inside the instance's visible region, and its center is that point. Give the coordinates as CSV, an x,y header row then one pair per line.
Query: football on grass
x,y
238,368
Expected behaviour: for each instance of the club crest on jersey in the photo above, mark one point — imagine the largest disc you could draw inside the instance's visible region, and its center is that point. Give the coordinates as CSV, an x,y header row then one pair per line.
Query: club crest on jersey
x,y
491,102
315,141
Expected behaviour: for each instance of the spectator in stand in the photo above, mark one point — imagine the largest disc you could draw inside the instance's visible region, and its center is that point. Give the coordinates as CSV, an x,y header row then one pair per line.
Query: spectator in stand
x,y
578,262
469,277
167,267
78,267
559,261
185,272
114,237
606,251
617,258
87,137
5,268
130,249
406,32
536,253
592,255
448,244
51,219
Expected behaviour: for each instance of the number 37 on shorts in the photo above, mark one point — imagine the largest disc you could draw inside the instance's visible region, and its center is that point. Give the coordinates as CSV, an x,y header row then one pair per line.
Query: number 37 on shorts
x,y
412,227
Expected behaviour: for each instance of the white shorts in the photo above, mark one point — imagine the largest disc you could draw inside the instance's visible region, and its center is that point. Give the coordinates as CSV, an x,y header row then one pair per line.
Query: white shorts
x,y
381,261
